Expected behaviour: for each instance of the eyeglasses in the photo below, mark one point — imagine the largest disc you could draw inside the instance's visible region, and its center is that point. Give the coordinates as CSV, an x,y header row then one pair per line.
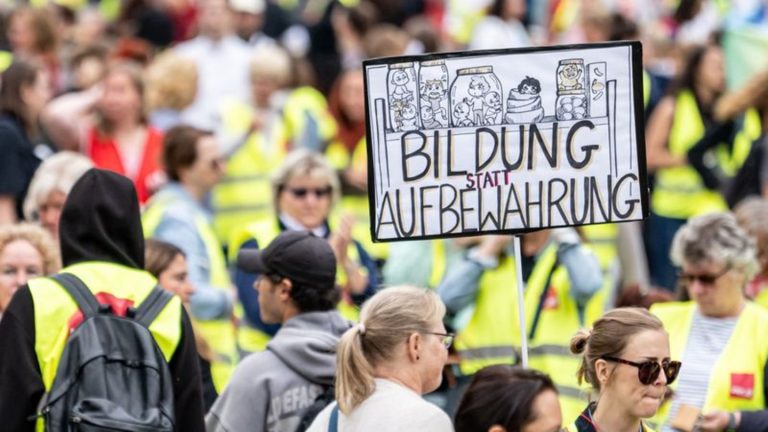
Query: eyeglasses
x,y
705,279
303,192
648,371
447,338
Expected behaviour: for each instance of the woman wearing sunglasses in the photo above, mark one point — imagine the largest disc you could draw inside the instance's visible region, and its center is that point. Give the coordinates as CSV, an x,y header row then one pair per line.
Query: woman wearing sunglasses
x,y
626,360
304,190
387,362
718,334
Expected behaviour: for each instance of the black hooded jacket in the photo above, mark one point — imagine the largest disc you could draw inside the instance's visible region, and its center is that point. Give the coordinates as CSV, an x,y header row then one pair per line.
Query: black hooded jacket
x,y
100,222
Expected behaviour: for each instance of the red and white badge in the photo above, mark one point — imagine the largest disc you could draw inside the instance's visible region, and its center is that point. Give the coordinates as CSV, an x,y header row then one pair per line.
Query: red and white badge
x,y
742,385
550,301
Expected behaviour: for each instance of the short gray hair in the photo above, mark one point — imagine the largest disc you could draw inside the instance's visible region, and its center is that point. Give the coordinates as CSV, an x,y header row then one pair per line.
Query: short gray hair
x,y
305,162
715,238
57,173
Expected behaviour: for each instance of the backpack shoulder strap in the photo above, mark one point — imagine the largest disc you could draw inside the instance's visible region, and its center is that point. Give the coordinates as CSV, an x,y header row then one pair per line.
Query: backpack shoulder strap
x,y
333,422
157,299
83,296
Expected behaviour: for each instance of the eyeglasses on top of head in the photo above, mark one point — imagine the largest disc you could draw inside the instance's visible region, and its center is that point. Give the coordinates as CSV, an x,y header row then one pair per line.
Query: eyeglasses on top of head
x,y
648,371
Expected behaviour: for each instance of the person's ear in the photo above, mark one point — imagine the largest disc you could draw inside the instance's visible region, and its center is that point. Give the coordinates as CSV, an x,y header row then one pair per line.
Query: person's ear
x,y
284,289
602,372
415,343
497,428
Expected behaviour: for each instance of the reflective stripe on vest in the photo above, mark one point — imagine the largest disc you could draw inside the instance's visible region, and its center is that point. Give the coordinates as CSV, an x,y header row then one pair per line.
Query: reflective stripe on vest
x,y
53,308
219,334
679,191
745,354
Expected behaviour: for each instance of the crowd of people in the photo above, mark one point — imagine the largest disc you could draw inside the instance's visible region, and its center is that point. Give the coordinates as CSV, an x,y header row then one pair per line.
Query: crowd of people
x,y
216,149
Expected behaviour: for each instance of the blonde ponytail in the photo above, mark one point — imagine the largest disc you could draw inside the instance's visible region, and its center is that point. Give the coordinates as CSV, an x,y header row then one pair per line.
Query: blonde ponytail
x,y
386,321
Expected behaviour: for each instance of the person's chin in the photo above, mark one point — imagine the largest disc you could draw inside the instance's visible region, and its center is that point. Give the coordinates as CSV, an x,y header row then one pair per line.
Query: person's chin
x,y
648,406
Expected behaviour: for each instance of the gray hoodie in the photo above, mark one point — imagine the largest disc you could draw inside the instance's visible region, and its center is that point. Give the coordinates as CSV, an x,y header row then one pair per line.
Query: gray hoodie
x,y
271,390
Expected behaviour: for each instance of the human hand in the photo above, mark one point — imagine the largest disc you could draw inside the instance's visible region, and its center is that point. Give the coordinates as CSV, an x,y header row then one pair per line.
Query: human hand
x,y
716,421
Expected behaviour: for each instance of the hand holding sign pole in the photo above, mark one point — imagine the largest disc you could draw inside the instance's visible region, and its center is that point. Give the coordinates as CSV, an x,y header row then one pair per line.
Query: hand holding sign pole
x,y
505,141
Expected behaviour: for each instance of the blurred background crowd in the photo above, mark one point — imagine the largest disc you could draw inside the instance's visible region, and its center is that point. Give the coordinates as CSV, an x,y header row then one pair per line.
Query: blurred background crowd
x,y
239,119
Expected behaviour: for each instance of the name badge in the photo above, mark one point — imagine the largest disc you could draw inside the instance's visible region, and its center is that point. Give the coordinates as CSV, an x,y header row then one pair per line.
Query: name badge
x,y
742,385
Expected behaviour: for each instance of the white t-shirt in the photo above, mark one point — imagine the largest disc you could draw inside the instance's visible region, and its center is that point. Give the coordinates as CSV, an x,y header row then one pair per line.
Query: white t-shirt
x,y
391,408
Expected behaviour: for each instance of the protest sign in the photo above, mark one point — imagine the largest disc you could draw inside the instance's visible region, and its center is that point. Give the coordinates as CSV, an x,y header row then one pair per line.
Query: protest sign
x,y
505,141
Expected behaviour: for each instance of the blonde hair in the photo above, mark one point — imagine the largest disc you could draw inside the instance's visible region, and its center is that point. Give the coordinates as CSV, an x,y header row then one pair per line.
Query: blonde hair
x,y
171,82
609,337
271,62
57,173
387,319
39,238
304,162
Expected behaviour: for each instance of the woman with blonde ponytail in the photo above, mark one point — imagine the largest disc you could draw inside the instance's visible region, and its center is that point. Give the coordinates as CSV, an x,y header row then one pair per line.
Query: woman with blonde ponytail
x,y
626,361
386,362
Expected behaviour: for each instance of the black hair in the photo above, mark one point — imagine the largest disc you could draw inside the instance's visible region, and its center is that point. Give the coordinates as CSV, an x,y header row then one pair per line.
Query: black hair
x,y
531,82
501,395
310,298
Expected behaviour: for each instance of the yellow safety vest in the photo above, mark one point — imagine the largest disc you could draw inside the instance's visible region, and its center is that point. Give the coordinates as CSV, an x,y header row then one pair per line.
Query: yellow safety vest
x,y
646,88
679,191
54,307
220,334
6,58
492,335
745,354
251,339
307,117
731,161
244,195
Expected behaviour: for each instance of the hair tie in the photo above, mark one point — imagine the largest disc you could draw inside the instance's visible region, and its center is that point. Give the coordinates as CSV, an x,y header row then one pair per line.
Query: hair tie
x,y
361,329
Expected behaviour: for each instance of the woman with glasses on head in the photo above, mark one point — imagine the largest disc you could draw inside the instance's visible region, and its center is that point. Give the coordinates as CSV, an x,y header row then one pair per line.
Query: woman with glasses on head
x,y
626,360
305,189
387,362
719,335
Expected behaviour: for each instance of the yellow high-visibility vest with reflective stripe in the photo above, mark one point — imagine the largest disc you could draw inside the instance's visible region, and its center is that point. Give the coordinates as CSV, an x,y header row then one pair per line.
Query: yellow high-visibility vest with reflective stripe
x,y
220,334
680,193
53,308
745,354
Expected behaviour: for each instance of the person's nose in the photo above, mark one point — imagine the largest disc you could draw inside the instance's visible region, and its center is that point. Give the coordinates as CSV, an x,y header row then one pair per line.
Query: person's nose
x,y
21,277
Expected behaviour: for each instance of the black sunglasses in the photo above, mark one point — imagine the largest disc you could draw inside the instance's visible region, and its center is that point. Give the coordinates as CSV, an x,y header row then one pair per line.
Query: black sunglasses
x,y
705,279
648,371
318,192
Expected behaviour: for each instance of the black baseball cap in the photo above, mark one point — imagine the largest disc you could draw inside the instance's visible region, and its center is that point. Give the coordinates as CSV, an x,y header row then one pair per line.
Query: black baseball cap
x,y
297,255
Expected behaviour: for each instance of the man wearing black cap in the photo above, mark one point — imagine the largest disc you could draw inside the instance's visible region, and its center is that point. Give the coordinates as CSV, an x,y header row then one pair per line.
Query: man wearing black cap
x,y
271,390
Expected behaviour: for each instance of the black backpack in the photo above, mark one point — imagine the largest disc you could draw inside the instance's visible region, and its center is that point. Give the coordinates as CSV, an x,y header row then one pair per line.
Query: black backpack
x,y
112,376
322,400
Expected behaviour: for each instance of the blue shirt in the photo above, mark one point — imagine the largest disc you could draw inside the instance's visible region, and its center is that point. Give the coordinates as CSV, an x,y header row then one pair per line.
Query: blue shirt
x,y
178,226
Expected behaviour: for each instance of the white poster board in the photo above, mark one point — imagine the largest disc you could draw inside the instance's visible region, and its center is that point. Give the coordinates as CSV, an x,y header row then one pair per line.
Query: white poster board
x,y
505,141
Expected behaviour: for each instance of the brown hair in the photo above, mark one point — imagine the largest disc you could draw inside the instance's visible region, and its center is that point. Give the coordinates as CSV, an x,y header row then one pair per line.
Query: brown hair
x,y
21,73
609,337
158,255
180,149
387,319
43,26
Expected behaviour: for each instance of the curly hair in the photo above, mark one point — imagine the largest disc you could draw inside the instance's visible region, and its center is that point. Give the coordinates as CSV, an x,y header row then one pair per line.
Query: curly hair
x,y
38,237
171,82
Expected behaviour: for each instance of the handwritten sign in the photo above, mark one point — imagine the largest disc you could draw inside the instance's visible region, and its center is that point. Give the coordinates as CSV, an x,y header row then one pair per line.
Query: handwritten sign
x,y
505,140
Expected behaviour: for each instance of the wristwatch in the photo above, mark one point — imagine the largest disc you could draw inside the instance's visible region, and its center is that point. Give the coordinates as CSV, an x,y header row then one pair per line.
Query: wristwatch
x,y
731,427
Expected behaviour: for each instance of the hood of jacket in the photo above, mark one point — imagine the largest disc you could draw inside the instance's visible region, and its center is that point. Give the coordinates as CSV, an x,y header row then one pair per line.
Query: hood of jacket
x,y
307,344
101,221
